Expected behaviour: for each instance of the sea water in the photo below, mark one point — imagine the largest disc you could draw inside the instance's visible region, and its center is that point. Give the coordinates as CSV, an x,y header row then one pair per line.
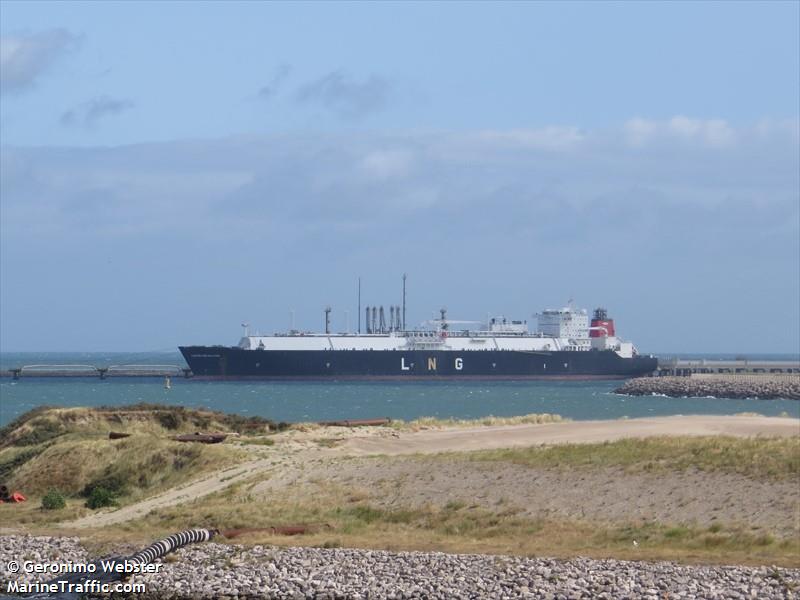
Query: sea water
x,y
321,401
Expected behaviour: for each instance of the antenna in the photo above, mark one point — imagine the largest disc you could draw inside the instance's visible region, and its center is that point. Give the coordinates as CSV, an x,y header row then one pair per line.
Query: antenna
x,y
404,301
359,305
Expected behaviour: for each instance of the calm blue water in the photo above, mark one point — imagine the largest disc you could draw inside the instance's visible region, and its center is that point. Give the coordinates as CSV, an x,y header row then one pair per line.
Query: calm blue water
x,y
313,401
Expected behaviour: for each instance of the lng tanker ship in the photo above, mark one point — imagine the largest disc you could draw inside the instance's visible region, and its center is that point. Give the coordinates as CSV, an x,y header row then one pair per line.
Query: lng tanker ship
x,y
565,345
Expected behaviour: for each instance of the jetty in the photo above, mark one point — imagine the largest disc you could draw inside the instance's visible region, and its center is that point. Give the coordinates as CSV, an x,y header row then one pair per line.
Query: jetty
x,y
740,366
102,372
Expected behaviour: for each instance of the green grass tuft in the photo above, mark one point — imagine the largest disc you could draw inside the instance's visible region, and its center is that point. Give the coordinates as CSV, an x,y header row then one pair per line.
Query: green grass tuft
x,y
430,422
53,500
100,497
759,458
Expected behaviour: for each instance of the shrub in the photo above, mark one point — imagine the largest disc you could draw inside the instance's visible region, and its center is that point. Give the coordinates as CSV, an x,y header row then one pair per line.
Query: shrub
x,y
258,441
169,420
113,483
53,500
100,497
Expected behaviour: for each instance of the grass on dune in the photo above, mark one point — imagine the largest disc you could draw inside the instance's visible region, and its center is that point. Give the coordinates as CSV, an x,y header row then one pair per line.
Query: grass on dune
x,y
131,469
342,518
46,423
437,422
69,451
346,517
428,422
760,458
133,466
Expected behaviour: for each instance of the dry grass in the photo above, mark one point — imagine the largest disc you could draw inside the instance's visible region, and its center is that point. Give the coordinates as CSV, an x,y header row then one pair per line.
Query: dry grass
x,y
136,466
760,458
132,468
344,518
30,516
45,423
68,450
434,422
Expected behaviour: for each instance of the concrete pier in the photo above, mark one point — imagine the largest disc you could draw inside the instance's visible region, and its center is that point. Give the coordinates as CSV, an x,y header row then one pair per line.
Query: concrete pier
x,y
683,367
101,372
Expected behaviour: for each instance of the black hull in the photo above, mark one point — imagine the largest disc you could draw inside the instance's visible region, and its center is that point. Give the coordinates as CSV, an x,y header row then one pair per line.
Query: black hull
x,y
220,362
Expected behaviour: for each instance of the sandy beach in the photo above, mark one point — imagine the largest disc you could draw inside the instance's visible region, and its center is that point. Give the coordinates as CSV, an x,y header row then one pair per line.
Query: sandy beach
x,y
573,432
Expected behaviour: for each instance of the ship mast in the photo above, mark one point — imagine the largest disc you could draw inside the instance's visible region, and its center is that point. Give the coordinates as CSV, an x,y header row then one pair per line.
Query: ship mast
x,y
404,301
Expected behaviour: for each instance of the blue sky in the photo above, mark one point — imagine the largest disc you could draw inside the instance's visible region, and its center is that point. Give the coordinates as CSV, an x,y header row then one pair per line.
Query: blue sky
x,y
171,169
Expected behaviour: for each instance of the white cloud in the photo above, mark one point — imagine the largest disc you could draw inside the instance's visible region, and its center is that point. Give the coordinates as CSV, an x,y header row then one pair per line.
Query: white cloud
x,y
527,217
767,128
384,164
453,178
714,132
639,131
23,58
546,138
710,132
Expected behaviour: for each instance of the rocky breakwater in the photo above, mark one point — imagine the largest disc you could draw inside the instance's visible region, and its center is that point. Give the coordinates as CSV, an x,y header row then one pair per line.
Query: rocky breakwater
x,y
764,387
222,571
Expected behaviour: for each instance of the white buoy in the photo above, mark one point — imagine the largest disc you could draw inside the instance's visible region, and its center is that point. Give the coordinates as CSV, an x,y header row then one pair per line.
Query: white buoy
x,y
167,384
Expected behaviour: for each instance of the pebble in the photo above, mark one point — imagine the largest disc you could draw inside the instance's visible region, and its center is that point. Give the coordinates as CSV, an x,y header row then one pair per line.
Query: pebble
x,y
214,570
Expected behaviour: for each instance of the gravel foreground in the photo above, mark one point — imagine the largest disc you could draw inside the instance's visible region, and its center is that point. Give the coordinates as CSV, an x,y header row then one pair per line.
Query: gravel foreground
x,y
221,571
